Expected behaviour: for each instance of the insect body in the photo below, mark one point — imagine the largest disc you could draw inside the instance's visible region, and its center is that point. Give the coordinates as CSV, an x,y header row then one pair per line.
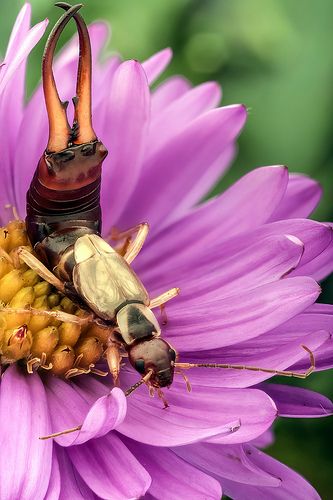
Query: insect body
x,y
64,225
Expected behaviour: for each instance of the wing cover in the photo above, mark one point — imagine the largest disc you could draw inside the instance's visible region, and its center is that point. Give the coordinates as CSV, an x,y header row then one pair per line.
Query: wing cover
x,y
103,277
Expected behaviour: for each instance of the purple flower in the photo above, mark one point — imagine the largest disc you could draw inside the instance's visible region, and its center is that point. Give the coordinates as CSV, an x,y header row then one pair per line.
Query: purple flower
x,y
247,263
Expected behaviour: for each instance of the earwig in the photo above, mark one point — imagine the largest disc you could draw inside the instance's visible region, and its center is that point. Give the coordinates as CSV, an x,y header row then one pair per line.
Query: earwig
x,y
64,227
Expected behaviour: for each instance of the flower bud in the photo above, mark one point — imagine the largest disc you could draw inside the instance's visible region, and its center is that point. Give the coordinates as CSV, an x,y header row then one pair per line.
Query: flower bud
x,y
91,349
37,323
62,360
17,235
53,300
68,305
99,330
4,239
16,344
10,284
5,266
21,300
44,341
30,277
69,333
42,288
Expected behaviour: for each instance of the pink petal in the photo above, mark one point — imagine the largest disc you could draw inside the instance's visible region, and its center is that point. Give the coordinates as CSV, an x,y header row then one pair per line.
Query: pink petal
x,y
125,136
262,262
177,164
174,118
53,490
184,421
296,402
227,461
292,484
170,249
109,468
24,418
301,198
156,64
105,414
167,92
243,207
167,469
22,52
72,486
252,314
19,31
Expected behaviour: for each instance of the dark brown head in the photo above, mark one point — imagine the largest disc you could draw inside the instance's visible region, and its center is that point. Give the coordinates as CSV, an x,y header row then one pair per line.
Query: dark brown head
x,y
71,150
154,355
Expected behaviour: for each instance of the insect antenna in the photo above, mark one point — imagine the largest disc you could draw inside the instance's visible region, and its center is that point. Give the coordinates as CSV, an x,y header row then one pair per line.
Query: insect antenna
x,y
82,130
283,373
144,380
59,129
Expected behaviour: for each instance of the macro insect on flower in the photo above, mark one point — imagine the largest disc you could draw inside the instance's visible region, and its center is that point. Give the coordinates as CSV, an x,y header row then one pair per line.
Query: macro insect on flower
x,y
101,314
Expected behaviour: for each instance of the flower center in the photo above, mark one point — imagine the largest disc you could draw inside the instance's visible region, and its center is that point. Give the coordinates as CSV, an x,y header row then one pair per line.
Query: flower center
x,y
31,332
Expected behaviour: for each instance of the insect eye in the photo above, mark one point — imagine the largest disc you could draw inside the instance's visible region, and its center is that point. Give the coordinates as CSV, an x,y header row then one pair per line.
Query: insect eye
x,y
172,354
140,365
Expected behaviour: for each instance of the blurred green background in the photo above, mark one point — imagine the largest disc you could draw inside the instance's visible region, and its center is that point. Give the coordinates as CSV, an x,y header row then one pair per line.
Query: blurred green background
x,y
276,57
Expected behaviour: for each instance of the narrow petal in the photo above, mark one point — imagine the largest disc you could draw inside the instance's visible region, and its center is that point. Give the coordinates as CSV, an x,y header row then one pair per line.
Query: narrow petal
x,y
297,402
230,416
170,474
262,262
292,484
156,64
227,461
53,491
125,137
19,31
170,249
266,439
24,419
167,92
30,40
109,469
204,184
105,414
320,266
254,313
174,118
176,165
301,198
72,486
243,207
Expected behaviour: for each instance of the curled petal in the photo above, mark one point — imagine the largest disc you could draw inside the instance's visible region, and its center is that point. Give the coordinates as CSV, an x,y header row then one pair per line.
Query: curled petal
x,y
105,414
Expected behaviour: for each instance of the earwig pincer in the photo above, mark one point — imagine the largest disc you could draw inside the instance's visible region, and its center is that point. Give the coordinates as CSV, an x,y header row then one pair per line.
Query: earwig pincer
x,y
63,224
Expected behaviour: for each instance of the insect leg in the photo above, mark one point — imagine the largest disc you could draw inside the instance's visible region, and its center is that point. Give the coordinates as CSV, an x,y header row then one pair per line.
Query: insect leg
x,y
284,373
164,297
39,268
60,315
113,358
134,246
